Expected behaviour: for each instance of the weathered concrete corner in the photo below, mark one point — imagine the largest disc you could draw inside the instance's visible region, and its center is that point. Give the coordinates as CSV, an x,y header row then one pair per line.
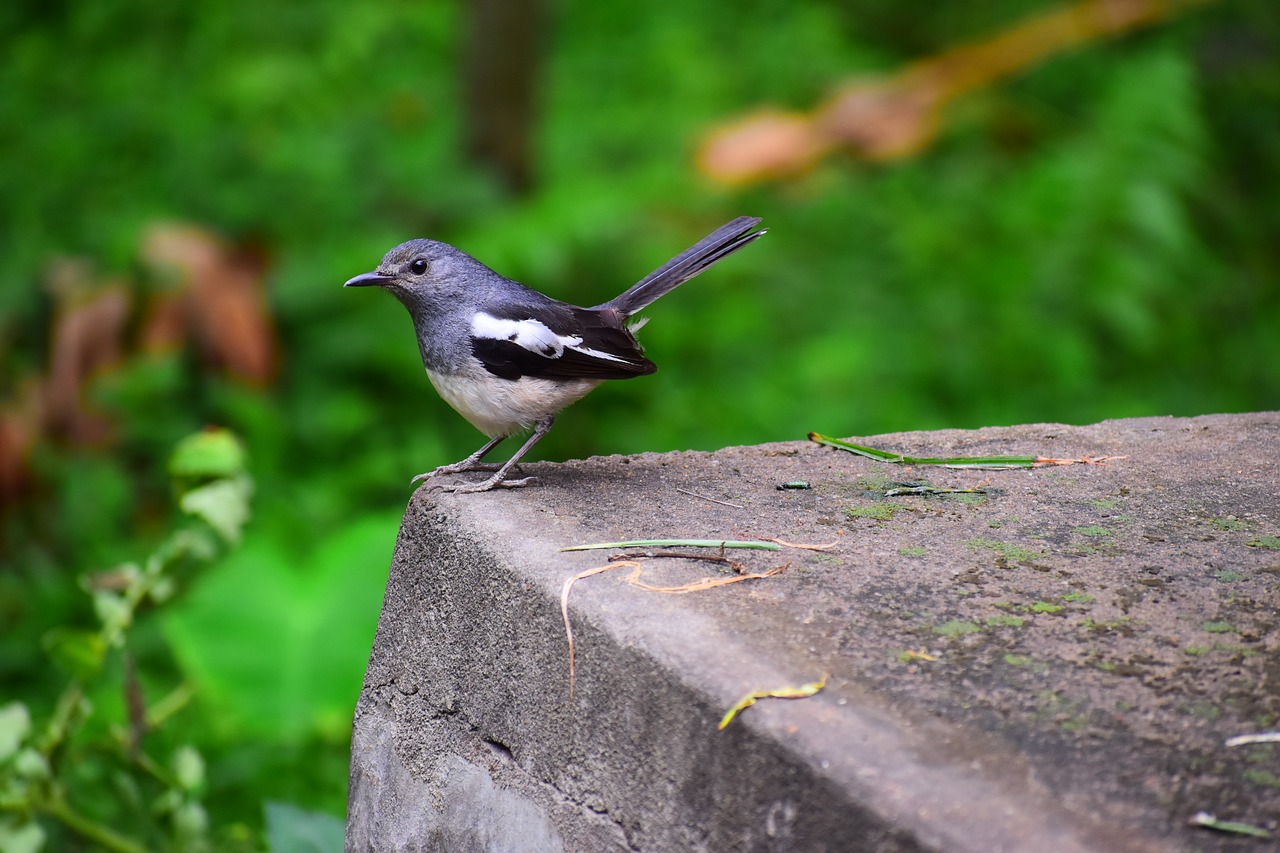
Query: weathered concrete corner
x,y
1050,664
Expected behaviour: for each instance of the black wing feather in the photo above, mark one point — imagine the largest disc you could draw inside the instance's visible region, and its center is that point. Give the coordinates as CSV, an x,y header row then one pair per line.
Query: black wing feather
x,y
601,331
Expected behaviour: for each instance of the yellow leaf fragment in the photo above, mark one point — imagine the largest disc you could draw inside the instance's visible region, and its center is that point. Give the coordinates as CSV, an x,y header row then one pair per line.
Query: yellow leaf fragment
x,y
801,692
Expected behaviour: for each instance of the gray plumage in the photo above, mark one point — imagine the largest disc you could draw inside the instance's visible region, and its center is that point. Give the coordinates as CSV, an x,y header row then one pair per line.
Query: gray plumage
x,y
507,357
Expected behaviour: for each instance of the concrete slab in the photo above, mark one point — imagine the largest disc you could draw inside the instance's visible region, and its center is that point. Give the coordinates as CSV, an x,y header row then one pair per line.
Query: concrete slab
x,y
1052,664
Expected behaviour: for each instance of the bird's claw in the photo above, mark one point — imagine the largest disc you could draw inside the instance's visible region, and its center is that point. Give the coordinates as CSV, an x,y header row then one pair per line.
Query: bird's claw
x,y
494,482
455,468
487,485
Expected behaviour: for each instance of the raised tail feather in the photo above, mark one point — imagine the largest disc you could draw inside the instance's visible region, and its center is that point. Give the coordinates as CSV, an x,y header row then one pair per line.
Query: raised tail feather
x,y
716,246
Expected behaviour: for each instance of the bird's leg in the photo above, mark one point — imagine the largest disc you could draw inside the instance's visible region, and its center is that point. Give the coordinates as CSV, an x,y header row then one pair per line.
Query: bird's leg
x,y
498,480
471,463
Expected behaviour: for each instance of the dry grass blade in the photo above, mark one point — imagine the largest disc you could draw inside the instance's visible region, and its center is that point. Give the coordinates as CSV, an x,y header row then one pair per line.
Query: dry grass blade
x,y
785,544
704,583
722,544
733,565
634,580
564,606
1046,461
1261,737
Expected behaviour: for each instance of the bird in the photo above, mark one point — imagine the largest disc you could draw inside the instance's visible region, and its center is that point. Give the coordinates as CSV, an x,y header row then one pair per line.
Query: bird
x,y
508,358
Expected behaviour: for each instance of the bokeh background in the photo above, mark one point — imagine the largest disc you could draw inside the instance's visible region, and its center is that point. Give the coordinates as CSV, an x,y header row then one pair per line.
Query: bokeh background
x,y
980,214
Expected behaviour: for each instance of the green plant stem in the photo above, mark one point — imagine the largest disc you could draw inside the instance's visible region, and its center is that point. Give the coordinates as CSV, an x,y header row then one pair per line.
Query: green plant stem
x,y
175,701
142,761
950,462
64,713
58,809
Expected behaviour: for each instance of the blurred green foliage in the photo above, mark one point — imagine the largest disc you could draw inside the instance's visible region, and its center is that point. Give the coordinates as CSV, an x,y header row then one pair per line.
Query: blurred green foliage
x,y
1099,238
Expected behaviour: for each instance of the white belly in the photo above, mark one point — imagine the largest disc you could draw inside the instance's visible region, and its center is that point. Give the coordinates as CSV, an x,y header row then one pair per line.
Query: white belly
x,y
501,407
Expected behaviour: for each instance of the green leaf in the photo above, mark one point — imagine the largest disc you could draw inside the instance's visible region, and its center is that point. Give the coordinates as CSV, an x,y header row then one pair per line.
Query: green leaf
x,y
188,767
15,725
214,452
112,610
190,825
294,830
31,764
224,504
1209,821
76,652
25,837
286,660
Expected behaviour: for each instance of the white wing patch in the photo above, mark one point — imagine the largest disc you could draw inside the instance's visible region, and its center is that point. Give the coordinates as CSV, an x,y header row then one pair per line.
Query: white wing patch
x,y
533,336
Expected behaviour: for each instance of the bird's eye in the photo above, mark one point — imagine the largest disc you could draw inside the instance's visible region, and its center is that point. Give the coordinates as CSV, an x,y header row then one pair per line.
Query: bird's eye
x,y
419,266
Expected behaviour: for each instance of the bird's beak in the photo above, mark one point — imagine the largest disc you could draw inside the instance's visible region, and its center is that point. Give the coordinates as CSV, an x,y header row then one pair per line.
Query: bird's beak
x,y
368,279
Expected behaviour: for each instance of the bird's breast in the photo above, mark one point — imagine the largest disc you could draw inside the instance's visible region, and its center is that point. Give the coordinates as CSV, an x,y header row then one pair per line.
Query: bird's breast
x,y
502,407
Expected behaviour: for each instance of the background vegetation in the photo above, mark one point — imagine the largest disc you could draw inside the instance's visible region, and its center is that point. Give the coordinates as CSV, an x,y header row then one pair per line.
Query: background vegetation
x,y
1098,237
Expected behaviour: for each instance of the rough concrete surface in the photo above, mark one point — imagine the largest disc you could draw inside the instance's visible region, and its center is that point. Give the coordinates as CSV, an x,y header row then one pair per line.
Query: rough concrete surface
x,y
1052,664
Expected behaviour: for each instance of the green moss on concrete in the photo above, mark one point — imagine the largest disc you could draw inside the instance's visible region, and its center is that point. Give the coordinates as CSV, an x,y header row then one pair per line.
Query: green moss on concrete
x,y
956,628
878,512
876,481
1098,626
1204,710
1009,551
1258,776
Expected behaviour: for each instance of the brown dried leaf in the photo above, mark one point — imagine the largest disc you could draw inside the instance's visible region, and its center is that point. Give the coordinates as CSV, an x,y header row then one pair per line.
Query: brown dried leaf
x,y
88,338
20,420
224,300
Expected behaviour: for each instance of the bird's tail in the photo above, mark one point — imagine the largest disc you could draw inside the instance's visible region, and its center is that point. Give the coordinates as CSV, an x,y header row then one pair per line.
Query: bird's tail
x,y
716,246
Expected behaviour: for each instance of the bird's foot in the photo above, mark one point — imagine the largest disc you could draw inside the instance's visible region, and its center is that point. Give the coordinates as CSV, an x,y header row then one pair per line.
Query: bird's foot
x,y
457,468
497,481
494,482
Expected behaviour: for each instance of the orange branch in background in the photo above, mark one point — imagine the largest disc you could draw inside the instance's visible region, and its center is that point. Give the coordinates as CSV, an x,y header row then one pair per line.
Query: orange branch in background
x,y
887,118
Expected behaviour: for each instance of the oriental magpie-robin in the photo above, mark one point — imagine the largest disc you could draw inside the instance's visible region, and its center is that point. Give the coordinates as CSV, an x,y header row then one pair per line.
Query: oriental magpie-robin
x,y
508,358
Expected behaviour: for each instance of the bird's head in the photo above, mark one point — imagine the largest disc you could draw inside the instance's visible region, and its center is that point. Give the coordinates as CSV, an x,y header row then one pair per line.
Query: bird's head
x,y
421,273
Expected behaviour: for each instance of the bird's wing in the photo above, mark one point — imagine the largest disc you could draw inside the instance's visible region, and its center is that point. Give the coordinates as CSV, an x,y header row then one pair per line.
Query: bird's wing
x,y
556,341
